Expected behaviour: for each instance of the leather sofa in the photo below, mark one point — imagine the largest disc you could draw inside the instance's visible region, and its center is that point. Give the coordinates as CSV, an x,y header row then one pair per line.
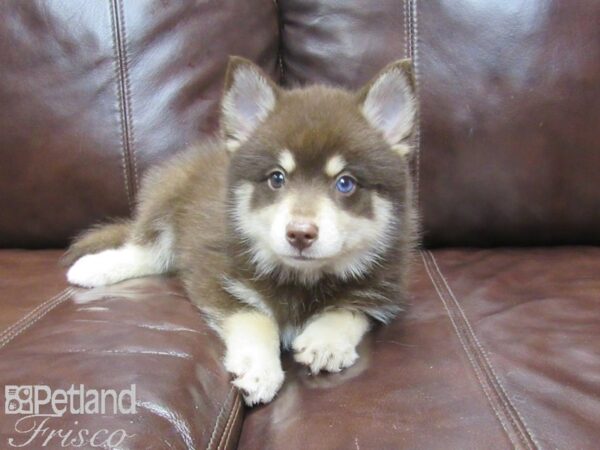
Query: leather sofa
x,y
500,347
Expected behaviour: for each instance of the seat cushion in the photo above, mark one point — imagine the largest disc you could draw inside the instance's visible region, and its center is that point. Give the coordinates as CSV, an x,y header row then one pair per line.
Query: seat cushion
x,y
498,350
142,332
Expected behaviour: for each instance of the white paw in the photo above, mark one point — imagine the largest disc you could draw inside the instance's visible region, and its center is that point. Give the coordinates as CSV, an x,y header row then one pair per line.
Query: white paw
x,y
323,351
117,264
92,270
329,341
258,376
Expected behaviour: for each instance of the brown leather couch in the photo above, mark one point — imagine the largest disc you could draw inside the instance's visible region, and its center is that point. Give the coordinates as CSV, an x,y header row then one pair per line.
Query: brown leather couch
x,y
501,345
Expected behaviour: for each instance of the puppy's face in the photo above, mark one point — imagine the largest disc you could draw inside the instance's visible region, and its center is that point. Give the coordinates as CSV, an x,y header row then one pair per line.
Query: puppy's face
x,y
318,175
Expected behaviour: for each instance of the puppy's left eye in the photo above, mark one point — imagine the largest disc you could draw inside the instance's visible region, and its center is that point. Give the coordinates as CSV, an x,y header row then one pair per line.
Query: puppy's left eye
x,y
276,179
345,184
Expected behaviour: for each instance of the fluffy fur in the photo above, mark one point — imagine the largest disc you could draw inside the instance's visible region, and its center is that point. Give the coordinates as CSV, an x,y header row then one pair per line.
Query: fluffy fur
x,y
214,215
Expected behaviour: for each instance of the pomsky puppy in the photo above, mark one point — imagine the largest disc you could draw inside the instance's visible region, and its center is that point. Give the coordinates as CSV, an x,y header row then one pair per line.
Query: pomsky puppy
x,y
293,229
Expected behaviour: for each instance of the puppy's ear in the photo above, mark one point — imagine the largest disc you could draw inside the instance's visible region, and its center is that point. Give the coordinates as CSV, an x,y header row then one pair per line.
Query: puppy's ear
x,y
388,103
248,99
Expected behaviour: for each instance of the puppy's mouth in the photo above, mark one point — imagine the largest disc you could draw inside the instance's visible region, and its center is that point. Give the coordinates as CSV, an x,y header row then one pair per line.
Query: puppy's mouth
x,y
303,258
300,258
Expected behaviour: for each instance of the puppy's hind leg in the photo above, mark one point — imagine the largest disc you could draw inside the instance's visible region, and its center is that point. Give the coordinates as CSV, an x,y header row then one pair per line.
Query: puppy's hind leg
x,y
127,261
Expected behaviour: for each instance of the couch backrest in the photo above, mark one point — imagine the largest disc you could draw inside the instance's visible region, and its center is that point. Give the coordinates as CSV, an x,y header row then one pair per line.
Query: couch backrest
x,y
93,93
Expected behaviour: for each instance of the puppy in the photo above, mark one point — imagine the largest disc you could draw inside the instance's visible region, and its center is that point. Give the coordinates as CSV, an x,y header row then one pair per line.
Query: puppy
x,y
294,229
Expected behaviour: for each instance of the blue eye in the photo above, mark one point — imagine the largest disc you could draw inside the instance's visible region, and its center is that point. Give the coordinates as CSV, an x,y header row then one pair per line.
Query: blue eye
x,y
276,180
345,184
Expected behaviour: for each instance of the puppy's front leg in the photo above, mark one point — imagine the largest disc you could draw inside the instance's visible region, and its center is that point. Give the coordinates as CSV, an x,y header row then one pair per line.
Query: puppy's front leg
x,y
328,342
252,355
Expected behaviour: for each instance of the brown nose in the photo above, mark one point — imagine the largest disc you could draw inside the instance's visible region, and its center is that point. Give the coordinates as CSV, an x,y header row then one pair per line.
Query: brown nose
x,y
301,234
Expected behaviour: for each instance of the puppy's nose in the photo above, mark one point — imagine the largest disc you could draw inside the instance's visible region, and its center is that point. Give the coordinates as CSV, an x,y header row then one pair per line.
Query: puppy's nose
x,y
301,234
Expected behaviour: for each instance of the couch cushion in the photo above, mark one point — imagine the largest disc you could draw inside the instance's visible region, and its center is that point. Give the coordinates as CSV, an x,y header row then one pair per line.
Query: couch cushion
x,y
92,94
499,350
509,94
142,332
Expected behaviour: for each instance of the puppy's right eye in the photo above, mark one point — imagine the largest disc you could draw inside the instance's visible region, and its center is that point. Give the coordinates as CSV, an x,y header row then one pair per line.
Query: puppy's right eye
x,y
276,179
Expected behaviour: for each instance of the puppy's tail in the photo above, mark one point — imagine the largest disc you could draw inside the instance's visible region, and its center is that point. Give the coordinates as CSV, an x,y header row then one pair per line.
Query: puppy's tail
x,y
101,237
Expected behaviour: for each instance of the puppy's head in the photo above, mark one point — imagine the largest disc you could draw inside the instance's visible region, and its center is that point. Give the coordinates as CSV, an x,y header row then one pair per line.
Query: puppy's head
x,y
318,177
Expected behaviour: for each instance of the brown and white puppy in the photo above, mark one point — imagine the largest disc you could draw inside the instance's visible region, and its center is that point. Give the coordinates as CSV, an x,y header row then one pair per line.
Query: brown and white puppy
x,y
295,229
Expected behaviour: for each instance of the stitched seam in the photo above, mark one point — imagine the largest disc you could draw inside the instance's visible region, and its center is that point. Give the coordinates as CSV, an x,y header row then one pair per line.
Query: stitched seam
x,y
405,25
228,423
119,96
129,112
280,43
121,74
213,434
481,367
8,329
33,317
519,421
239,409
474,365
505,398
414,53
230,427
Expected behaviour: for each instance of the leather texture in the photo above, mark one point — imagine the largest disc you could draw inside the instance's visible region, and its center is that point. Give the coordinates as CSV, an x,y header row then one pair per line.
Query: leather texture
x,y
499,350
143,332
509,97
93,93
500,346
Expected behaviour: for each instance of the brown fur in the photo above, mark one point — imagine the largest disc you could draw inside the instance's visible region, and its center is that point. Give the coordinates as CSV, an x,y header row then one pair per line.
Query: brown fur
x,y
98,238
192,197
323,121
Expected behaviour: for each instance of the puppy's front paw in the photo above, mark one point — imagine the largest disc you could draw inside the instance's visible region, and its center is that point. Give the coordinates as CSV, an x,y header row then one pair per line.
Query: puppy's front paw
x,y
329,341
322,349
258,376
